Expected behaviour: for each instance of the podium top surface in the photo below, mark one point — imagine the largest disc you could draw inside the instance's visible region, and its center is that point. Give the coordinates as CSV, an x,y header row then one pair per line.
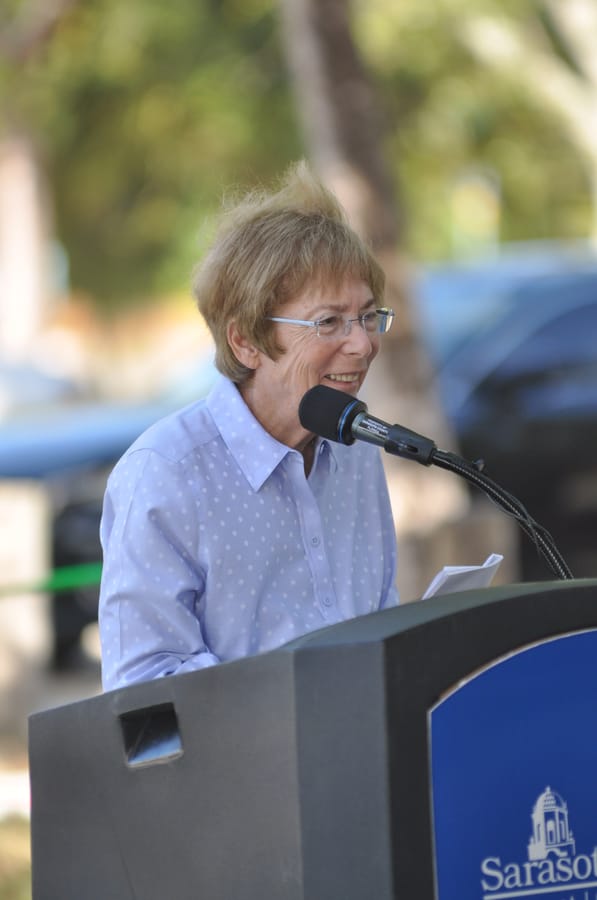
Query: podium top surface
x,y
387,623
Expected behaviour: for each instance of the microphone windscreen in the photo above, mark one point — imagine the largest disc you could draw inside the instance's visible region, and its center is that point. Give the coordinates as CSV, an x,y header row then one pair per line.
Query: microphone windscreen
x,y
329,413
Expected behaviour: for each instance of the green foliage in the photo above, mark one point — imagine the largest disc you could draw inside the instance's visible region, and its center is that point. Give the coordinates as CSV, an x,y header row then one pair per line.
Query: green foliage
x,y
145,112
447,115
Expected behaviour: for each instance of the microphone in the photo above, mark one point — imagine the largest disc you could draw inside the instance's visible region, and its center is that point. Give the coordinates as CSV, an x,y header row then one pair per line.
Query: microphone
x,y
339,417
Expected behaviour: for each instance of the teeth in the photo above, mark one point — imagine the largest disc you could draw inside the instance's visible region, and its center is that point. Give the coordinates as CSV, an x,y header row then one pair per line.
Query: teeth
x,y
346,378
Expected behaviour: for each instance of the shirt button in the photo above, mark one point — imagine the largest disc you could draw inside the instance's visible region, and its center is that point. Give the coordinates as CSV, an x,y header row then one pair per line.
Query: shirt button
x,y
327,601
315,541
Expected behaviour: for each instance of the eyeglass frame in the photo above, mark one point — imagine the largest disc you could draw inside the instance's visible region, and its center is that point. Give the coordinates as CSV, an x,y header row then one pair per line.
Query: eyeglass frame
x,y
384,314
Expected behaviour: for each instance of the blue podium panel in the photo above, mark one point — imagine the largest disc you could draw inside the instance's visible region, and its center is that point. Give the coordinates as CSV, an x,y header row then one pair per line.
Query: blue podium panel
x,y
514,777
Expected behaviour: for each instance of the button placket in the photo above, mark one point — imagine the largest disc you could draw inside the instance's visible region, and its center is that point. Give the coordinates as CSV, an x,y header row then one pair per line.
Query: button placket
x,y
311,529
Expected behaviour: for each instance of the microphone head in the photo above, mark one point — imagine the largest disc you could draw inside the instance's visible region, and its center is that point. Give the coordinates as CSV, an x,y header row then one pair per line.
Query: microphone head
x,y
330,413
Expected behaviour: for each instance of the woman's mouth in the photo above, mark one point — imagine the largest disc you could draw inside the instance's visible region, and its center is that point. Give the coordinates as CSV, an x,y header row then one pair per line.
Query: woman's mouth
x,y
344,379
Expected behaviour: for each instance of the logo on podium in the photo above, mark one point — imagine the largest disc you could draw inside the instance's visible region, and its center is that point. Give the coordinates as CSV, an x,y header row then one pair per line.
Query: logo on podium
x,y
517,738
552,867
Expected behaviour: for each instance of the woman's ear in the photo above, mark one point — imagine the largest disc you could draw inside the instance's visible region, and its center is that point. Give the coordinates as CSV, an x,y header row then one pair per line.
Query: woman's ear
x,y
243,349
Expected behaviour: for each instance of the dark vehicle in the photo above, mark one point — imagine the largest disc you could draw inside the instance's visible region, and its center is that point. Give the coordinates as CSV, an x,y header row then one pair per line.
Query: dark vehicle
x,y
519,385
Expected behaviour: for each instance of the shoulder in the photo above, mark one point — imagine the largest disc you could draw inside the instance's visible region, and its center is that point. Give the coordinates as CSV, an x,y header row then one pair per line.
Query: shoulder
x,y
171,441
177,434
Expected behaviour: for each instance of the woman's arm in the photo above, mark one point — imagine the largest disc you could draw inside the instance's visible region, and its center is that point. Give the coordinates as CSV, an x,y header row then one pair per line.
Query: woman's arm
x,y
152,585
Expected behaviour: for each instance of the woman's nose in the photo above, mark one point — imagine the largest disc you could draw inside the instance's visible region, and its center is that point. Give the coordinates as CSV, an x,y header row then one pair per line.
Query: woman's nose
x,y
358,339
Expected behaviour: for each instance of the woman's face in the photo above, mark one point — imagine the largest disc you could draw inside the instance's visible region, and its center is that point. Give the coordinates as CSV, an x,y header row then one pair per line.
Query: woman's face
x,y
277,386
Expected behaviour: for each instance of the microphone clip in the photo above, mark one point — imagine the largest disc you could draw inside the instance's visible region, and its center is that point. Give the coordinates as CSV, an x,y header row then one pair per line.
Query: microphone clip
x,y
409,444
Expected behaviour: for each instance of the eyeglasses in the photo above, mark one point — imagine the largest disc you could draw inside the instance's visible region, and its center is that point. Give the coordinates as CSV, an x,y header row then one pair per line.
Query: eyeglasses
x,y
337,326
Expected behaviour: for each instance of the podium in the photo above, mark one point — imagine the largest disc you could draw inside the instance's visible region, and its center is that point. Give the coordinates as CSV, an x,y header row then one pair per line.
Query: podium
x,y
330,769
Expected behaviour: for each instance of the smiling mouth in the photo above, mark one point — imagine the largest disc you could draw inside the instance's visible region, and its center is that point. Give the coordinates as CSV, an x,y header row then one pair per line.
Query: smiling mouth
x,y
344,379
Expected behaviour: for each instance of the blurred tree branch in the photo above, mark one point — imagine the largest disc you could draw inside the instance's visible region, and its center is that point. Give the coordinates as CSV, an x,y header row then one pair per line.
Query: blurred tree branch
x,y
32,28
565,79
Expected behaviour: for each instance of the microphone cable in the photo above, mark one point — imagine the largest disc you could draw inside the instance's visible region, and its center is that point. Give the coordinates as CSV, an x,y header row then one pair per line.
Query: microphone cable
x,y
540,536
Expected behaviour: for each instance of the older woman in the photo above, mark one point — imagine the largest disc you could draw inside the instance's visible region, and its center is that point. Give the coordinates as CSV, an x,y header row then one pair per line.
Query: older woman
x,y
228,529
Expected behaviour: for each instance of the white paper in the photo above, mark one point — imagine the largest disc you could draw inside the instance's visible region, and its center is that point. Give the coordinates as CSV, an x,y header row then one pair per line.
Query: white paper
x,y
463,578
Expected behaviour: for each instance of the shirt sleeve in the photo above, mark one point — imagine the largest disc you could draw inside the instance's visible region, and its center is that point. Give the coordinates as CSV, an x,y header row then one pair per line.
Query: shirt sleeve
x,y
390,598
152,587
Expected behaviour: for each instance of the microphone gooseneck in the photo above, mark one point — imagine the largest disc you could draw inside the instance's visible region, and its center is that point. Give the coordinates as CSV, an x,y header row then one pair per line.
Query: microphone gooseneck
x,y
339,417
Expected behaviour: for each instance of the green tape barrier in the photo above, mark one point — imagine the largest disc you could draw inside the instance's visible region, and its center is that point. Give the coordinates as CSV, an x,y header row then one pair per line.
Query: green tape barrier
x,y
62,579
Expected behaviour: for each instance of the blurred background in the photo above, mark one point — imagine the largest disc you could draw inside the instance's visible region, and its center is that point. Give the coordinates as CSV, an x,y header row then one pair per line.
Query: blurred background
x,y
460,136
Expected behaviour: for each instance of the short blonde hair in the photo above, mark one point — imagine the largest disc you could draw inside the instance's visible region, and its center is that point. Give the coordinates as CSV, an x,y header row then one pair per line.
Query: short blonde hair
x,y
267,250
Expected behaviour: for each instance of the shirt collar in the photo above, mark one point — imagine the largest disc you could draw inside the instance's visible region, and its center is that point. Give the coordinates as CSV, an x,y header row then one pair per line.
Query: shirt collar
x,y
256,452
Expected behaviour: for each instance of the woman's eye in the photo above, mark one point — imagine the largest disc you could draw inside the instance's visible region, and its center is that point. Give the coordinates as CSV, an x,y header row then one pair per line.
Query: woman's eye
x,y
329,322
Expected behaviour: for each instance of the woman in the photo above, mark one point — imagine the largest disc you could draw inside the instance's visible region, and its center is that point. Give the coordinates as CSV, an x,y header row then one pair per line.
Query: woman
x,y
228,529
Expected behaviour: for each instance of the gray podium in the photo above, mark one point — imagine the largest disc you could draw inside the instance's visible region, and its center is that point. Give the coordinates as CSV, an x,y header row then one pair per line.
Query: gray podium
x,y
301,774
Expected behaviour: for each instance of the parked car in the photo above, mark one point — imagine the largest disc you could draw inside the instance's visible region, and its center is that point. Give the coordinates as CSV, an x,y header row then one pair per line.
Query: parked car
x,y
516,359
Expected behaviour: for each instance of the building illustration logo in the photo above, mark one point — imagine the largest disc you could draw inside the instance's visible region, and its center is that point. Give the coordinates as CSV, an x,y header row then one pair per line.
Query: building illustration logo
x,y
553,867
551,833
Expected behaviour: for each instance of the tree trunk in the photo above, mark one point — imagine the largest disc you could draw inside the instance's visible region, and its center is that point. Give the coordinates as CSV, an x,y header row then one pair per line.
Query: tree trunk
x,y
25,203
343,133
24,256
